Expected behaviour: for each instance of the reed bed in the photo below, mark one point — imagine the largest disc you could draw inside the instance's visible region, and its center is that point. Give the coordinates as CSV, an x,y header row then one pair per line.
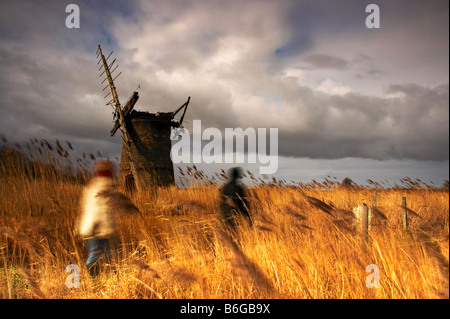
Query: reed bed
x,y
303,245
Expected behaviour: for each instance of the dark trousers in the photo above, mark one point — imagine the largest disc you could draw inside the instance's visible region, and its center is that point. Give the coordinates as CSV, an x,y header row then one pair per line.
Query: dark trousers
x,y
97,248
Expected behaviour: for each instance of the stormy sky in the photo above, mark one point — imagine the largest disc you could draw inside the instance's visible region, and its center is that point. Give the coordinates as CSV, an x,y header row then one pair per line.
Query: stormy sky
x,y
347,100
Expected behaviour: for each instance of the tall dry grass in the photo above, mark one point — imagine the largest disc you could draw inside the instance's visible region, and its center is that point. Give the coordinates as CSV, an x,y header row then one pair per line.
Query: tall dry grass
x,y
303,244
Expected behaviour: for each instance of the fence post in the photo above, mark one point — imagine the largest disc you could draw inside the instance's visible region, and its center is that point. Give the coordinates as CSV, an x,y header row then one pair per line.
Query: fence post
x,y
404,214
365,220
362,218
372,209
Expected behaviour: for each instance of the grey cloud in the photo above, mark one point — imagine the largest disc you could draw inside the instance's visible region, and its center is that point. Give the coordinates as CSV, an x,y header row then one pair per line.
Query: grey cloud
x,y
371,73
359,126
56,91
324,61
50,98
353,125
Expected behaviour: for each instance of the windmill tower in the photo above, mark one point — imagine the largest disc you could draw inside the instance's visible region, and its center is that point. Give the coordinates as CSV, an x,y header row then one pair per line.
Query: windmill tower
x,y
145,158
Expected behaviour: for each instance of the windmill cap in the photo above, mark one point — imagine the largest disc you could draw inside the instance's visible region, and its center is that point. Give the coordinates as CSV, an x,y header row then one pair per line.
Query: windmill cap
x,y
103,168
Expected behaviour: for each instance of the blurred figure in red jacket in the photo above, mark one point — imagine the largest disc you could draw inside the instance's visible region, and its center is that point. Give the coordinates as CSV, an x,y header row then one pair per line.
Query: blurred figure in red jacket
x,y
97,223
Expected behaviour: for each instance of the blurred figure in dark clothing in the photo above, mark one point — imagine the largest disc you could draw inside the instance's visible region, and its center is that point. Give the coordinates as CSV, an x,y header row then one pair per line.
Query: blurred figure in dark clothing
x,y
233,202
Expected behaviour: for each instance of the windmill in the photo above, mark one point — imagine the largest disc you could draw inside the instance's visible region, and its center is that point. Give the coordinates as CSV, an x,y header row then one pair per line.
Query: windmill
x,y
146,142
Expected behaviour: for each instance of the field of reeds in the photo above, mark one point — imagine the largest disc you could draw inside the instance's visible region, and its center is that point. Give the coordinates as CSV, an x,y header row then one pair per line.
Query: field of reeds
x,y
304,243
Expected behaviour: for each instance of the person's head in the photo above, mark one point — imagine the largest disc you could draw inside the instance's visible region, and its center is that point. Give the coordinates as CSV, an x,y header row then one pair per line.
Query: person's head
x,y
103,169
235,173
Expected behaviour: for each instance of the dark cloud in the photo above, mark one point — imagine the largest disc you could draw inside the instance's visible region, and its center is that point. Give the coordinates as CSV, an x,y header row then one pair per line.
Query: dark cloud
x,y
244,64
51,97
414,126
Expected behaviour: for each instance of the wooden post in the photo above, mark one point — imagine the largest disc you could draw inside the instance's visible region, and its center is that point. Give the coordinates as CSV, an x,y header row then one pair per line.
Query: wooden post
x,y
374,203
365,220
404,214
372,209
362,219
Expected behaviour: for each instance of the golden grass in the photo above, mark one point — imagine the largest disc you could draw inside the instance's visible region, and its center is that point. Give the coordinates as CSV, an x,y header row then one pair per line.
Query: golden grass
x,y
303,244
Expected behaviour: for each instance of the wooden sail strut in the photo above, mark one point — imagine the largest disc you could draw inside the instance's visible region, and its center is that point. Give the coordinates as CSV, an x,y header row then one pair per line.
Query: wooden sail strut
x,y
121,117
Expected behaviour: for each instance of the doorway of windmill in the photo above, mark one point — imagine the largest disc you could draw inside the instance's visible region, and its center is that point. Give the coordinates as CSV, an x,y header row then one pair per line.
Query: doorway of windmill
x,y
129,183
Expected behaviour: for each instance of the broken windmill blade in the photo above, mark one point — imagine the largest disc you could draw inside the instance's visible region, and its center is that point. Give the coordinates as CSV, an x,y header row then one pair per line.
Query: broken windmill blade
x,y
115,100
112,71
126,110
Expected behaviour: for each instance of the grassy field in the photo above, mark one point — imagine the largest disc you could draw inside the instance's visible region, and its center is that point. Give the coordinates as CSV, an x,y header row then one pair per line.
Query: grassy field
x,y
303,244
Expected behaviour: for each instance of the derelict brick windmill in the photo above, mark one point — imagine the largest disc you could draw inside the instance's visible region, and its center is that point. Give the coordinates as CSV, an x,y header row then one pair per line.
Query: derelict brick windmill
x,y
146,142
